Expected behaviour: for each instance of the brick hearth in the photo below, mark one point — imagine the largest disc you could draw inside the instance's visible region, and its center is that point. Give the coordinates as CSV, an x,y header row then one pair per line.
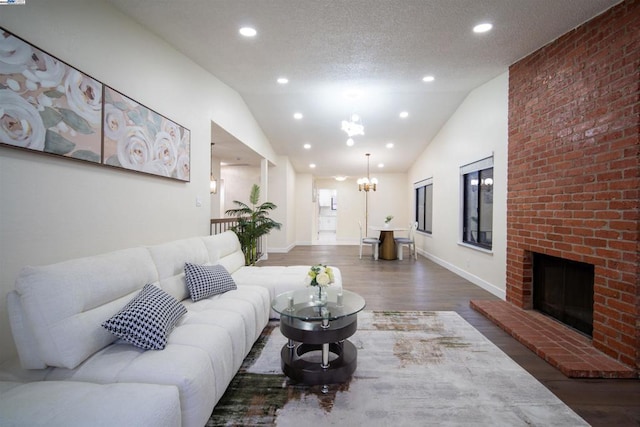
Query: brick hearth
x,y
563,348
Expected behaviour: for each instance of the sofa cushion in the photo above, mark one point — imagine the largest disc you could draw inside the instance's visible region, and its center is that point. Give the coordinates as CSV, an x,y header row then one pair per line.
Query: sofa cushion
x,y
147,319
184,366
218,345
26,342
250,302
69,403
170,258
207,280
65,304
224,249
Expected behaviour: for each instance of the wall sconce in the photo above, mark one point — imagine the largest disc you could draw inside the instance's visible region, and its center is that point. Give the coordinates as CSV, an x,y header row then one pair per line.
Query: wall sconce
x,y
213,185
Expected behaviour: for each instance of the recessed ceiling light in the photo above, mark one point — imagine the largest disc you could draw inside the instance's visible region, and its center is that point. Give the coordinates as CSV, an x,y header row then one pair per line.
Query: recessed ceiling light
x,y
297,116
482,28
428,78
248,31
312,165
350,142
389,145
404,115
340,178
380,165
307,146
283,80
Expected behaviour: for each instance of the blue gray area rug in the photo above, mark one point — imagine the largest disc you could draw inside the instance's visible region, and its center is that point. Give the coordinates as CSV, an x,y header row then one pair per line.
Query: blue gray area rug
x,y
414,369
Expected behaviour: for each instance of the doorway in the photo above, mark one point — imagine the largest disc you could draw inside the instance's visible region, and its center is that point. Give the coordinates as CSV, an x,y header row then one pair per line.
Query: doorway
x,y
327,215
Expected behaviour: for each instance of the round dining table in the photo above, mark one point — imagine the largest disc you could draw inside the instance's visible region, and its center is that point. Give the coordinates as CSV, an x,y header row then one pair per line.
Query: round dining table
x,y
388,248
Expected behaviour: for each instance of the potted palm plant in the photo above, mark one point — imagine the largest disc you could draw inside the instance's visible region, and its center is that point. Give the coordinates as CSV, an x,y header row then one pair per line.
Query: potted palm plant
x,y
253,223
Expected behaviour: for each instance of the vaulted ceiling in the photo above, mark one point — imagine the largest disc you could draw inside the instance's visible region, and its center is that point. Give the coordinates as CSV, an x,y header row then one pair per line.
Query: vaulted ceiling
x,y
342,57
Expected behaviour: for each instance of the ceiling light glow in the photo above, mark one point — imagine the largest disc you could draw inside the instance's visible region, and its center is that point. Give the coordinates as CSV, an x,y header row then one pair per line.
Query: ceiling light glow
x,y
428,78
353,127
340,178
482,28
283,80
380,165
404,115
389,145
248,31
350,142
297,116
312,165
353,94
307,146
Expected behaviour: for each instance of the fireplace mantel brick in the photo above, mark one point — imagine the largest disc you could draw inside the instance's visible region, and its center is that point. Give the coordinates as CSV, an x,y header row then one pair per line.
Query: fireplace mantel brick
x,y
573,173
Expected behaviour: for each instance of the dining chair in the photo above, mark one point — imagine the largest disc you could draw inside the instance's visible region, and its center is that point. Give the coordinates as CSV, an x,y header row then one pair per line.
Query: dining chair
x,y
373,241
409,241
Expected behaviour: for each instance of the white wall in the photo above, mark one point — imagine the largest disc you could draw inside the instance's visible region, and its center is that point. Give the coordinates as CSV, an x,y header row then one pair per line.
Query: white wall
x,y
282,194
477,129
304,208
216,199
238,181
52,209
387,200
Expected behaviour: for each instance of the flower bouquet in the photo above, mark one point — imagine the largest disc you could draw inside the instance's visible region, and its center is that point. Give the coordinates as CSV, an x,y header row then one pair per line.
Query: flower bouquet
x,y
387,220
320,276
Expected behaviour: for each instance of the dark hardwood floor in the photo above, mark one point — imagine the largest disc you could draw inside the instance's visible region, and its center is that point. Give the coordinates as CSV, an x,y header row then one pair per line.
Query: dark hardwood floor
x,y
424,285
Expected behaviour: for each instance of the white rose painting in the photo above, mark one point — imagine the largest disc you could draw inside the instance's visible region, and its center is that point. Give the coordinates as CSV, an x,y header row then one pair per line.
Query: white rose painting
x,y
46,105
140,139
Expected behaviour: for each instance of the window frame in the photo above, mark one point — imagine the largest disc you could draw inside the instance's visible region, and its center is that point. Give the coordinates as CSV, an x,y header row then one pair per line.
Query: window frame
x,y
479,168
426,205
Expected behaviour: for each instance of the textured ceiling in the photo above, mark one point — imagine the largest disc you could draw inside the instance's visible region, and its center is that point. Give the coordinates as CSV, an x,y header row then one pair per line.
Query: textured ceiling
x,y
383,48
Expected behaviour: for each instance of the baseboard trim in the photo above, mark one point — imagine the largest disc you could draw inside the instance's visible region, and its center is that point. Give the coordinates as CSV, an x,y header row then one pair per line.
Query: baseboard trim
x,y
284,250
500,293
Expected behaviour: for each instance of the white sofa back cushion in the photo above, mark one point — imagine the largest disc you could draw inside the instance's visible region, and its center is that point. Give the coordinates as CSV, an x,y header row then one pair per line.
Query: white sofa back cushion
x,y
224,249
26,342
170,259
64,304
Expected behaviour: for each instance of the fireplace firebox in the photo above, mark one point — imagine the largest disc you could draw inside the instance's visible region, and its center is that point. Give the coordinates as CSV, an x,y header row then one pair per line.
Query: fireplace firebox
x,y
563,289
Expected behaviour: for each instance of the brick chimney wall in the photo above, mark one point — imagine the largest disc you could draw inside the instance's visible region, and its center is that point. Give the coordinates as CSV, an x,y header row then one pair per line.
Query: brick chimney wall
x,y
574,169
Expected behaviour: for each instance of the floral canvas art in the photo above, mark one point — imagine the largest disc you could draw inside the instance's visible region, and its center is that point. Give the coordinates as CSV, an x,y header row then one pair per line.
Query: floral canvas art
x,y
50,107
46,105
140,139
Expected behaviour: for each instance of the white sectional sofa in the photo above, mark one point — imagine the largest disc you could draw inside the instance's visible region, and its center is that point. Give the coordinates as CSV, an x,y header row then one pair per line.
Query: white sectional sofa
x,y
56,313
69,403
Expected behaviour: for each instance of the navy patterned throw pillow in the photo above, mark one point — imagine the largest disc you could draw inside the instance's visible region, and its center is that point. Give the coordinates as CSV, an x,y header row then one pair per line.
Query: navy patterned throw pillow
x,y
148,319
206,280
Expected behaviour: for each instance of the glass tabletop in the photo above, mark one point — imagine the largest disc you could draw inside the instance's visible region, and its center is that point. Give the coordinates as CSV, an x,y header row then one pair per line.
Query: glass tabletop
x,y
298,304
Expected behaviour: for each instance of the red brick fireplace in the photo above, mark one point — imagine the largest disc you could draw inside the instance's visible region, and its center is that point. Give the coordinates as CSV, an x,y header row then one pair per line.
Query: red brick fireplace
x,y
573,174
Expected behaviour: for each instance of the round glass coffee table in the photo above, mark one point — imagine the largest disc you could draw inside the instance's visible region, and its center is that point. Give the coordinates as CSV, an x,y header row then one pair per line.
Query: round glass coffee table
x,y
318,351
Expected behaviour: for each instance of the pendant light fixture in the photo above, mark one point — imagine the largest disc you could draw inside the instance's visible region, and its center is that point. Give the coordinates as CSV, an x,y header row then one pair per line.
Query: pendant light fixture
x,y
367,183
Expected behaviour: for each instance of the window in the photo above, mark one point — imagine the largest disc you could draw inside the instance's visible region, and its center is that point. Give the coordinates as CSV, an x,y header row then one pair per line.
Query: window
x,y
477,210
424,204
